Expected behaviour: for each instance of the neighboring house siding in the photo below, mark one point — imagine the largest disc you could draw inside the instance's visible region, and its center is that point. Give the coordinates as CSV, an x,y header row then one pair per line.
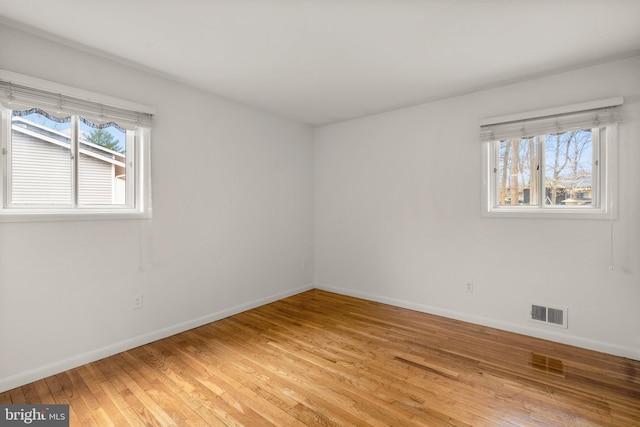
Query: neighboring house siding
x,y
95,181
41,174
40,171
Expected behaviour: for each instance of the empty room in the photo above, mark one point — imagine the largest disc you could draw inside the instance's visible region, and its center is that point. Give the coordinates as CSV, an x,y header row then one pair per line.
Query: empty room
x,y
331,213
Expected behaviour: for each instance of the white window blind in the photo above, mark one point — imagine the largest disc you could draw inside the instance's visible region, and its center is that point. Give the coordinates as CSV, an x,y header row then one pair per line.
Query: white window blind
x,y
584,116
20,97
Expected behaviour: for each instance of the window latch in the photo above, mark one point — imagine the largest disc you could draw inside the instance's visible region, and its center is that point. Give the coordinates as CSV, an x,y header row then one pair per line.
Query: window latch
x,y
4,151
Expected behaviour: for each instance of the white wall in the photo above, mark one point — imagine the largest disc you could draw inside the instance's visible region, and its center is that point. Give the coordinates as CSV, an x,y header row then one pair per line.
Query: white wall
x,y
398,218
232,225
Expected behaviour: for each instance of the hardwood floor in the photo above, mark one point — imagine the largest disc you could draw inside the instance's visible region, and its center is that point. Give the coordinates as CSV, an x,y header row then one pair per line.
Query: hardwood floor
x,y
319,358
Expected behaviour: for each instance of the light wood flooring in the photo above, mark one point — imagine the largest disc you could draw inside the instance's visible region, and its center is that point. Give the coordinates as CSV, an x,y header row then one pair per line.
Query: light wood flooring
x,y
319,358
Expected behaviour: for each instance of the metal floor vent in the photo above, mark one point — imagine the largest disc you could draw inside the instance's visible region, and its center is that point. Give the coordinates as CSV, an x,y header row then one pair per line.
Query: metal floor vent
x,y
550,315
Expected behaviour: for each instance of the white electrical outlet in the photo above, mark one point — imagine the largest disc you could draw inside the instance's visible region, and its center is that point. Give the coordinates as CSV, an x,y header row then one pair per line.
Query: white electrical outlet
x,y
469,287
137,302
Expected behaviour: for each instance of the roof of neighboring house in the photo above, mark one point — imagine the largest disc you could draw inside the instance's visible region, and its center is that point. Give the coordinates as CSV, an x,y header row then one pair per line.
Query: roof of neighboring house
x,y
61,139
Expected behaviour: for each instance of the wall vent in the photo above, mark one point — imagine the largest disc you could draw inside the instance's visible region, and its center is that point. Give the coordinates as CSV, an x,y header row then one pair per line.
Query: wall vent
x,y
553,316
539,313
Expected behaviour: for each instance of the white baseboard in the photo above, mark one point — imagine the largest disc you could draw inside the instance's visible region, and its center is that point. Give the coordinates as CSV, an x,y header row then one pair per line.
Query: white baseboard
x,y
600,346
56,367
22,378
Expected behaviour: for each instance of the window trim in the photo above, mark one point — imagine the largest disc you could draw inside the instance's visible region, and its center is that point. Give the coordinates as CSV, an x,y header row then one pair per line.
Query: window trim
x,y
141,185
606,175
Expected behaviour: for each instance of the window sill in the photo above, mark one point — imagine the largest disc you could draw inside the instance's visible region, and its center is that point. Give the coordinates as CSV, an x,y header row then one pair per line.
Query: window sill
x,y
13,215
549,213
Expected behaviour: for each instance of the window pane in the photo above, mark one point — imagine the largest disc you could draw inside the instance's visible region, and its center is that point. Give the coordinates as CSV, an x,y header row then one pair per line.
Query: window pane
x,y
517,172
569,172
40,161
101,164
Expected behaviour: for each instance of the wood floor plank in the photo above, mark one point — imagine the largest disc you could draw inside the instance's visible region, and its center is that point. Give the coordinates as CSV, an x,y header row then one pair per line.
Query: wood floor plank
x,y
274,408
184,389
17,396
323,359
123,410
92,379
211,387
73,396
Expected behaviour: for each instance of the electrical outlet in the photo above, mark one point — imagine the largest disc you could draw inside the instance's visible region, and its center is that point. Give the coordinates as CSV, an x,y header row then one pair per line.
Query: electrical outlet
x,y
469,287
137,302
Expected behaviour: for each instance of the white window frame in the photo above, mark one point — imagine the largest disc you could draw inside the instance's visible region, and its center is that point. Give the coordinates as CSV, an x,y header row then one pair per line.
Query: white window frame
x,y
604,178
137,143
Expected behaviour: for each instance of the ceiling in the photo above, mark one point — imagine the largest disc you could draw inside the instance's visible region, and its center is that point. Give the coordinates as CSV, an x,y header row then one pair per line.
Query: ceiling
x,y
323,61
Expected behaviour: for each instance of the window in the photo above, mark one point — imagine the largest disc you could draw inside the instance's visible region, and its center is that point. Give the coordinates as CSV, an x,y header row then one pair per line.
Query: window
x,y
554,163
65,156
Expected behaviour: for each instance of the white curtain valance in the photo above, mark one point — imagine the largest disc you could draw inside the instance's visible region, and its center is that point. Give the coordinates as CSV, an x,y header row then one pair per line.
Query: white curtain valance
x,y
20,97
552,123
